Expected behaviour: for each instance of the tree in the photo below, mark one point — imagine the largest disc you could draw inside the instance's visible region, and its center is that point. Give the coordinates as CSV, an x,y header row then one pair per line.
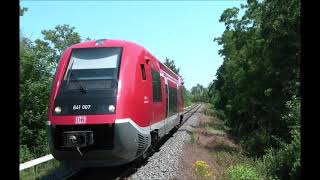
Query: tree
x,y
199,93
58,39
87,39
171,64
260,72
35,81
259,79
22,10
186,97
38,61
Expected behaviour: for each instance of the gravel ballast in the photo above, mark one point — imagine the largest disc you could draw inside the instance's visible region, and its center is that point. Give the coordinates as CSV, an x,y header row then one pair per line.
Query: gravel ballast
x,y
165,164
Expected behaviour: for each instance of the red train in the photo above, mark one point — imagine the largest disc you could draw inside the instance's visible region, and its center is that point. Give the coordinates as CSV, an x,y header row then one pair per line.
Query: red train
x,y
110,101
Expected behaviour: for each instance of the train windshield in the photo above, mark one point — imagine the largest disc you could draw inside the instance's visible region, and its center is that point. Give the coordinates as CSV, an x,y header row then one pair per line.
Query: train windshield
x,y
95,68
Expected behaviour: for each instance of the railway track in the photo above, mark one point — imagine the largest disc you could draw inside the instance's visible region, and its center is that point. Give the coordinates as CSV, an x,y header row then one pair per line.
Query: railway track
x,y
124,171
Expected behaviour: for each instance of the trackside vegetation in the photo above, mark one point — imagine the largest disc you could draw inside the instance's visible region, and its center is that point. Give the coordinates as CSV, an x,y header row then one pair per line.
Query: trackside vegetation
x,y
256,92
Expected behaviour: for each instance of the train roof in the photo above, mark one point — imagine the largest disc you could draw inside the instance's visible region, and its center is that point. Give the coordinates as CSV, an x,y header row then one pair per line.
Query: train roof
x,y
107,43
126,44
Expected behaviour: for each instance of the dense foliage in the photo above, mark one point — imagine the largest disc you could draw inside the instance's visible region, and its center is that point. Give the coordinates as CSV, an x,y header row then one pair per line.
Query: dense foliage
x,y
171,64
199,93
38,60
243,172
257,87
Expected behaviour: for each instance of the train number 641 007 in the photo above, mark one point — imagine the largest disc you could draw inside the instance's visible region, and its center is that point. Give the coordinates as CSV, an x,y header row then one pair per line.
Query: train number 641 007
x,y
78,107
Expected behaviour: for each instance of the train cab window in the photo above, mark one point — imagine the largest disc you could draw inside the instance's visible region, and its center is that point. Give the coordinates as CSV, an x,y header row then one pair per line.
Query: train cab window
x,y
95,68
156,86
143,72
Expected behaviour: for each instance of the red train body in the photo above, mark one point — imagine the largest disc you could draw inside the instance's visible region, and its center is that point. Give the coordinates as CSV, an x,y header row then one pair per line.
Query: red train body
x,y
110,99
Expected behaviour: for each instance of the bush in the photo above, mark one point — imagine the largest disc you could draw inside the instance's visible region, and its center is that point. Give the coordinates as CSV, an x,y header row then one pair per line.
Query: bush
x,y
285,163
208,110
220,114
193,138
243,172
256,143
202,170
25,154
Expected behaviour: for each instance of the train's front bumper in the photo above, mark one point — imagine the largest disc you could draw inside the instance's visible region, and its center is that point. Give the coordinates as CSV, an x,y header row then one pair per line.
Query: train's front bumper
x,y
114,144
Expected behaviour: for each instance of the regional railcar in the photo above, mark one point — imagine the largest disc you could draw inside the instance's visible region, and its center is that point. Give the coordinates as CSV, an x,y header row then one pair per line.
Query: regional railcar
x,y
110,100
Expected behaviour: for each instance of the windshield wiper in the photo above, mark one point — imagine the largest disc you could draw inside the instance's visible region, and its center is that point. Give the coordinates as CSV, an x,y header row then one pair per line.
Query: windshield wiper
x,y
84,89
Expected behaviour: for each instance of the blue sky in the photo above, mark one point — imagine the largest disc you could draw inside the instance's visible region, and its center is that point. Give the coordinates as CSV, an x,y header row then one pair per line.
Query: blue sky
x,y
180,30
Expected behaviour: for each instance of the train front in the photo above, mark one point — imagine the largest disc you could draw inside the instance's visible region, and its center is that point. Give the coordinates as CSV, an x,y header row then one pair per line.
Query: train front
x,y
82,110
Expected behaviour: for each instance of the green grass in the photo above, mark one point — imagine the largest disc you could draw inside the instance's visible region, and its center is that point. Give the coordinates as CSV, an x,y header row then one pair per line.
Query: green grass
x,y
229,161
40,170
232,162
214,131
193,138
209,110
243,172
187,103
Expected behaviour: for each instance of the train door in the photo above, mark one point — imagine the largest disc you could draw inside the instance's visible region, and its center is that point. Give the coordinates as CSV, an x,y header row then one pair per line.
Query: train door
x,y
167,97
147,89
166,104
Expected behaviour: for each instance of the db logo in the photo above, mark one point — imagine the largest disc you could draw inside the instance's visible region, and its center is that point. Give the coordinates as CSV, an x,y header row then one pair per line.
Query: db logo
x,y
81,119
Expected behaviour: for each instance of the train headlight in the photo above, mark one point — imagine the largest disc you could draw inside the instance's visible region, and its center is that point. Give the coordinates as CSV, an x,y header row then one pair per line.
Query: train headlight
x,y
111,108
57,110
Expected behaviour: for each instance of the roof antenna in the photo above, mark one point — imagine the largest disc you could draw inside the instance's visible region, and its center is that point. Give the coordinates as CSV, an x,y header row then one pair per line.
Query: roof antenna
x,y
99,41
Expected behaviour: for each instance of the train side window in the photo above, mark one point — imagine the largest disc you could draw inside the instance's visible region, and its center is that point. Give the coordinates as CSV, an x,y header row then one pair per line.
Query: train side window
x,y
173,101
143,72
156,86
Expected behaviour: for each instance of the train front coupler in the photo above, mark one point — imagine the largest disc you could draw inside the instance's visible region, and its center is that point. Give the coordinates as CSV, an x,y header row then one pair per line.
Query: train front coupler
x,y
78,139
